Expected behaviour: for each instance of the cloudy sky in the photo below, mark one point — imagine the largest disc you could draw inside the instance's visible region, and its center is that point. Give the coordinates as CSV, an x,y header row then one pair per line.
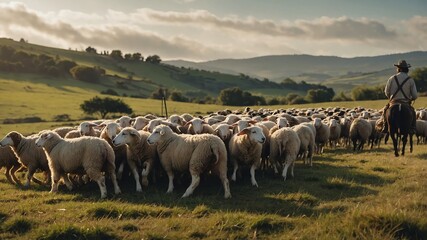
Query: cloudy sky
x,y
211,29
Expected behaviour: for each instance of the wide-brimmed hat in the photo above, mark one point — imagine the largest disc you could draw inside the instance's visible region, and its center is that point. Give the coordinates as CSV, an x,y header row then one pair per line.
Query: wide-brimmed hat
x,y
402,64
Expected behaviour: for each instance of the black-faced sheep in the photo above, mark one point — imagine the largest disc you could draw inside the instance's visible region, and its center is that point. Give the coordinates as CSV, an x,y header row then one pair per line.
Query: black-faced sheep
x,y
91,154
194,153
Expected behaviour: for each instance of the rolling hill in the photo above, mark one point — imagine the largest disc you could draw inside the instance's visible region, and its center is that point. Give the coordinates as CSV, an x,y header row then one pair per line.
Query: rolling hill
x,y
329,70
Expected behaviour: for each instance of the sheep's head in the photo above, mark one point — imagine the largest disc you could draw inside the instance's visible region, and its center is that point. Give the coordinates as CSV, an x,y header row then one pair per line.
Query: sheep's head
x,y
223,131
126,136
254,133
124,121
158,133
177,120
282,122
333,123
43,138
153,124
197,125
11,139
86,128
242,124
317,122
112,129
140,123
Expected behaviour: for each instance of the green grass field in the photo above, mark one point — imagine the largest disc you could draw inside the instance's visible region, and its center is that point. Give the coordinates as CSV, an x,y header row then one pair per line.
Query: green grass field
x,y
368,195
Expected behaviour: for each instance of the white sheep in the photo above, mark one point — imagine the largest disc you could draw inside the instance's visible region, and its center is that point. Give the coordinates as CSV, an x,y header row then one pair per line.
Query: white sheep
x,y
245,148
156,122
194,153
284,148
70,155
140,122
176,119
9,161
110,131
307,142
334,132
198,126
125,121
29,155
139,153
224,132
360,130
322,134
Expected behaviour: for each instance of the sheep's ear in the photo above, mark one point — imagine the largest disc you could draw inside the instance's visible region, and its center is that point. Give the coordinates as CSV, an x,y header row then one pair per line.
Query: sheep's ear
x,y
243,132
162,132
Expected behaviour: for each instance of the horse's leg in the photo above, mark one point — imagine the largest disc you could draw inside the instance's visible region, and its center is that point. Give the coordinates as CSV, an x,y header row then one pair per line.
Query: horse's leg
x,y
411,143
404,140
393,137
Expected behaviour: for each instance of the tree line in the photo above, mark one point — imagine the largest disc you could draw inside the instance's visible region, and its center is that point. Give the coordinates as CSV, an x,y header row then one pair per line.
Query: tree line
x,y
118,55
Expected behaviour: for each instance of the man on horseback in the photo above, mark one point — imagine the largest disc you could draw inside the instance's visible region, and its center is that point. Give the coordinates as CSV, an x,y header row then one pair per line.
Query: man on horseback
x,y
400,89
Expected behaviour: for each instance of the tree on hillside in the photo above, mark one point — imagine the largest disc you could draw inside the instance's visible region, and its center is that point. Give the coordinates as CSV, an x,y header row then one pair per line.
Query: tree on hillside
x,y
86,74
420,77
367,93
236,97
104,106
155,59
90,50
116,55
319,95
137,57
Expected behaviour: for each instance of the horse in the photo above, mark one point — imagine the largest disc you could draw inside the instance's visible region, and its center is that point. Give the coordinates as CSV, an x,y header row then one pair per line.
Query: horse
x,y
399,117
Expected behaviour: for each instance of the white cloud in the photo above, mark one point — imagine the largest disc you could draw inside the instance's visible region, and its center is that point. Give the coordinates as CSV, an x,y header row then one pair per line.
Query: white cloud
x,y
202,35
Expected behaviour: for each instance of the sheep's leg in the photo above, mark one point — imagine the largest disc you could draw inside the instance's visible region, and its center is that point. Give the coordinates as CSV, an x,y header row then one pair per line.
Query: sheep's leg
x,y
252,171
115,184
134,170
67,181
8,176
226,185
236,166
195,180
13,170
55,180
100,179
170,176
120,170
285,170
29,176
144,173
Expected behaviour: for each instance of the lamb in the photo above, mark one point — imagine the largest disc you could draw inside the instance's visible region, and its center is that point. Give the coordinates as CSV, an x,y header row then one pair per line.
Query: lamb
x,y
360,130
322,134
139,153
70,155
28,154
194,153
284,148
307,142
245,148
334,132
110,131
10,162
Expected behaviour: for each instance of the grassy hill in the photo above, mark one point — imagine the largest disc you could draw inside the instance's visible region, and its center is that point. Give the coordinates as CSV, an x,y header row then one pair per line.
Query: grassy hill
x,y
140,79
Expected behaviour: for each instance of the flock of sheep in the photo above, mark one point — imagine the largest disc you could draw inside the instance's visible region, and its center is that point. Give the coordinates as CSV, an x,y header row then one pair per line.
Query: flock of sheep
x,y
147,147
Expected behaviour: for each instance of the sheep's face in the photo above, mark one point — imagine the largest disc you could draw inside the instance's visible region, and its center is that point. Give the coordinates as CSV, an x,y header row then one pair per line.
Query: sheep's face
x,y
223,132
175,119
333,123
242,124
85,128
317,122
125,136
254,133
197,125
124,121
153,124
112,130
282,122
157,134
43,138
140,123
8,140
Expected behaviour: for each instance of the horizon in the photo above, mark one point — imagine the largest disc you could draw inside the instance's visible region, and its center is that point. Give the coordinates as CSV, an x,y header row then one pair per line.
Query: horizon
x,y
203,30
